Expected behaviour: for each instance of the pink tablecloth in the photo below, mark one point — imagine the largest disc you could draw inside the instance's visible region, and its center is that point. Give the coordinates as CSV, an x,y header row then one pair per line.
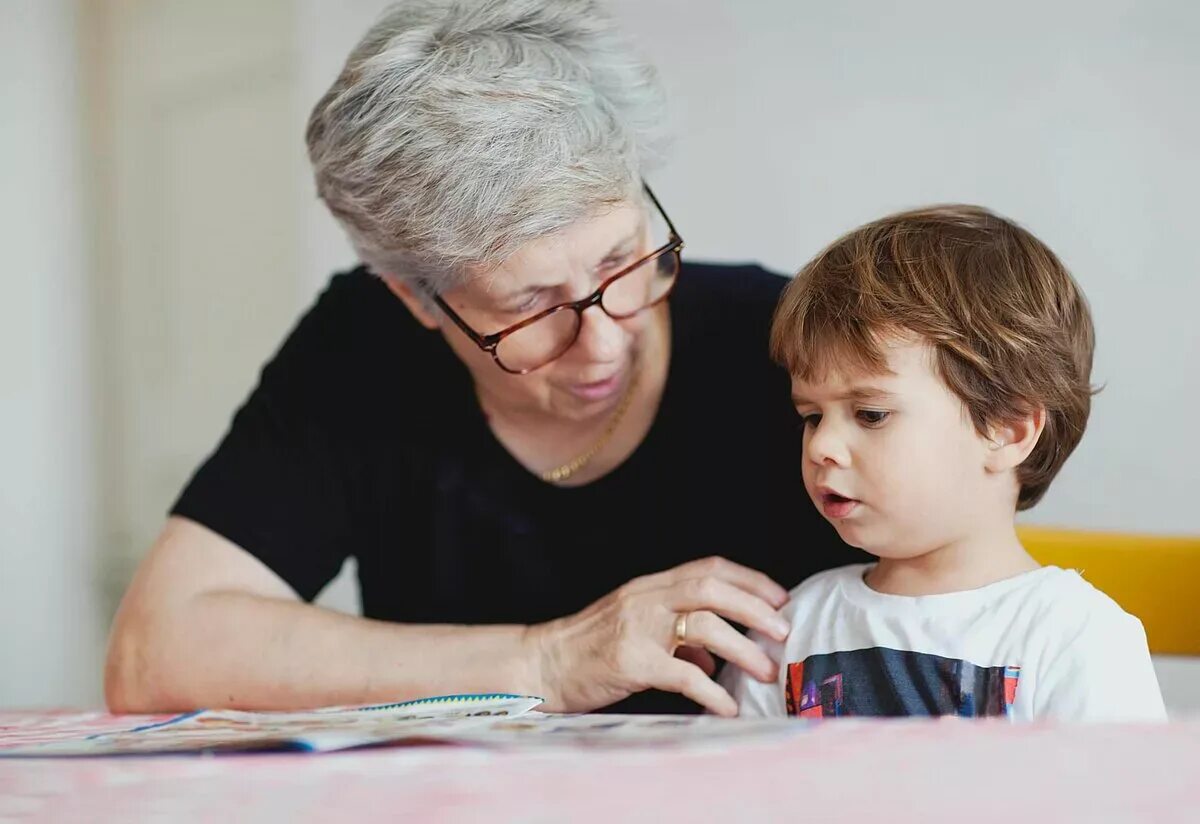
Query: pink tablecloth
x,y
874,771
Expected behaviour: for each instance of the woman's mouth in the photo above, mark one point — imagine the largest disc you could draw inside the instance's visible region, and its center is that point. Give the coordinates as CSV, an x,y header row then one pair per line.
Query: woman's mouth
x,y
597,390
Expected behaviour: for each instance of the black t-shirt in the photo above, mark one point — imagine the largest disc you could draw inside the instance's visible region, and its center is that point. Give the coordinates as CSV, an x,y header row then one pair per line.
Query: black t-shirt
x,y
364,438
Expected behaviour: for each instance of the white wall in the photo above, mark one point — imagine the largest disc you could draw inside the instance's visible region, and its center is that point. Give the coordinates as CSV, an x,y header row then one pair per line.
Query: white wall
x,y
795,121
49,634
325,34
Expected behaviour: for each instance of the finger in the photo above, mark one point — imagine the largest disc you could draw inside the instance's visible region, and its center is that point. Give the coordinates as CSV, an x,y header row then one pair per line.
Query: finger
x,y
742,577
698,656
682,677
714,634
715,595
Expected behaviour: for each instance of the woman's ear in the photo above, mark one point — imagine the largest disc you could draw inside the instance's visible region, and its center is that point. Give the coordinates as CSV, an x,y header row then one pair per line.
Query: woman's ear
x,y
1011,442
412,300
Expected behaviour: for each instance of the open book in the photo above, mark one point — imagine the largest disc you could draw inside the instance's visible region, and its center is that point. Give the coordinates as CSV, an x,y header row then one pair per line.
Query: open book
x,y
332,728
495,720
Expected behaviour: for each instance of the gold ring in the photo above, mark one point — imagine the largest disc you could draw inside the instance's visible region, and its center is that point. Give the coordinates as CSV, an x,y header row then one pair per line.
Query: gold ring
x,y
681,629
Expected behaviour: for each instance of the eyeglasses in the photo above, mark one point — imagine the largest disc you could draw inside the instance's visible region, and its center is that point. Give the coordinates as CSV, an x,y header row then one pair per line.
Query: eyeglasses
x,y
536,341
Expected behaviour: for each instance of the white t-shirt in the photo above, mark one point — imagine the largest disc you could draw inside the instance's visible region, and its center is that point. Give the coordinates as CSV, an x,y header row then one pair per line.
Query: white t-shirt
x,y
1044,644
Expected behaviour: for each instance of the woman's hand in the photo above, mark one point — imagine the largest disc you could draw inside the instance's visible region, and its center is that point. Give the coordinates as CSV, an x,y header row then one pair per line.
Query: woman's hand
x,y
625,642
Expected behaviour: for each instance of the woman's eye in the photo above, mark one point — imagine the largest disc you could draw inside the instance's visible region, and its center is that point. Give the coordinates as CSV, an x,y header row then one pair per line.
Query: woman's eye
x,y
872,417
528,305
614,263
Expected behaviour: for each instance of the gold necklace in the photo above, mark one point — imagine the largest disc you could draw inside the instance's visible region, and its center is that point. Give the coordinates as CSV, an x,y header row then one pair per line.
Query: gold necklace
x,y
561,473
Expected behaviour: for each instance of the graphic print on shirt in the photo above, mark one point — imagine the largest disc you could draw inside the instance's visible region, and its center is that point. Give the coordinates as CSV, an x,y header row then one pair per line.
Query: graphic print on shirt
x,y
887,682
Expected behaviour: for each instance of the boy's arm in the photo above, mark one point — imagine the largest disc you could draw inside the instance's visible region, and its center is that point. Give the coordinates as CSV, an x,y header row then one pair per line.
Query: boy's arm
x,y
754,698
1103,673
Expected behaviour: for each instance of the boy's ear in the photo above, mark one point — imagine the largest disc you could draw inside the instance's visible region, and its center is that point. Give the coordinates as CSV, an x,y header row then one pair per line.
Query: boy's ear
x,y
412,300
1012,441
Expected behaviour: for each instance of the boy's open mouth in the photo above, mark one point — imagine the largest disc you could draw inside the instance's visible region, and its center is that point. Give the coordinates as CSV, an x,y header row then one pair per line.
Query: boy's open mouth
x,y
836,505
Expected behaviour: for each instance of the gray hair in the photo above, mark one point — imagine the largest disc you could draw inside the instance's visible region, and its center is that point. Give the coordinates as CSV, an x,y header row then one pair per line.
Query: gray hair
x,y
459,131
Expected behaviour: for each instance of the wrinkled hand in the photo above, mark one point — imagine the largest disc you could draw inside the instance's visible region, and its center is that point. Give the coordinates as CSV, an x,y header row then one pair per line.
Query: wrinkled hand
x,y
625,642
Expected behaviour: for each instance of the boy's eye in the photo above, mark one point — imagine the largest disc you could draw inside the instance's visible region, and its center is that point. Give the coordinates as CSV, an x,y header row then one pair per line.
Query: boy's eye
x,y
811,421
872,417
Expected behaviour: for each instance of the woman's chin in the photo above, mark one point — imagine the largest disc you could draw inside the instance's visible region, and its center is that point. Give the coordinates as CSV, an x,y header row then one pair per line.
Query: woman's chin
x,y
574,408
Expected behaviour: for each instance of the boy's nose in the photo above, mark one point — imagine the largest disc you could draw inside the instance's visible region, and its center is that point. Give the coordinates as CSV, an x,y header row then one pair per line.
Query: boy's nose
x,y
825,447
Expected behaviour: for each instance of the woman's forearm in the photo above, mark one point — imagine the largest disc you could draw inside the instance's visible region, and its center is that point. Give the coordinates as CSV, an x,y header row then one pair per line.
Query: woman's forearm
x,y
232,649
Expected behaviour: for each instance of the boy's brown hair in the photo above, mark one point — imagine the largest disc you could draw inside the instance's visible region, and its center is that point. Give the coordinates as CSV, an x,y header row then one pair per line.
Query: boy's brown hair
x,y
1010,327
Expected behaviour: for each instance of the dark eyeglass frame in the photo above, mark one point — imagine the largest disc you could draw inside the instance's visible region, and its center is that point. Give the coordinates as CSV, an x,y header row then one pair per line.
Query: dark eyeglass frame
x,y
489,343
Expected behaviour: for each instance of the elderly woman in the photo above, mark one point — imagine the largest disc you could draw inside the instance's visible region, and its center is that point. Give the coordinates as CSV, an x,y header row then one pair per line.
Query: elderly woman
x,y
538,432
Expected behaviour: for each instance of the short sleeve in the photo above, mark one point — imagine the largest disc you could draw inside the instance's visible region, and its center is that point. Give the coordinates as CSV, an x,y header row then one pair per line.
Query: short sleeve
x,y
277,484
1103,673
754,698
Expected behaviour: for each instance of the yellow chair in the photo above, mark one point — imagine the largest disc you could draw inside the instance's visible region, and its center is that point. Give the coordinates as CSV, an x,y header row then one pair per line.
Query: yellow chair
x,y
1156,578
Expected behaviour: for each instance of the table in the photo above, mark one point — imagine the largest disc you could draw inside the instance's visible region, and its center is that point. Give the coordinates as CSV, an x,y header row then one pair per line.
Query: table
x,y
908,770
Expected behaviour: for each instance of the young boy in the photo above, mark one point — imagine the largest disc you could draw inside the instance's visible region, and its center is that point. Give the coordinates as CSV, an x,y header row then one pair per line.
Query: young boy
x,y
940,364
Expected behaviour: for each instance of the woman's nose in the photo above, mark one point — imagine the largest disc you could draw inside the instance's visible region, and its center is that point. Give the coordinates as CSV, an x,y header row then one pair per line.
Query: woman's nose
x,y
600,337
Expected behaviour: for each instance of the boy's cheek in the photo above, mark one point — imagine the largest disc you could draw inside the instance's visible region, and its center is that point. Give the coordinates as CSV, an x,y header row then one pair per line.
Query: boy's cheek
x,y
809,483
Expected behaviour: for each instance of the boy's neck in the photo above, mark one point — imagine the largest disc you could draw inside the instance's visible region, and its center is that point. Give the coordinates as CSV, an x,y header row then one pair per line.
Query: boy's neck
x,y
971,563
